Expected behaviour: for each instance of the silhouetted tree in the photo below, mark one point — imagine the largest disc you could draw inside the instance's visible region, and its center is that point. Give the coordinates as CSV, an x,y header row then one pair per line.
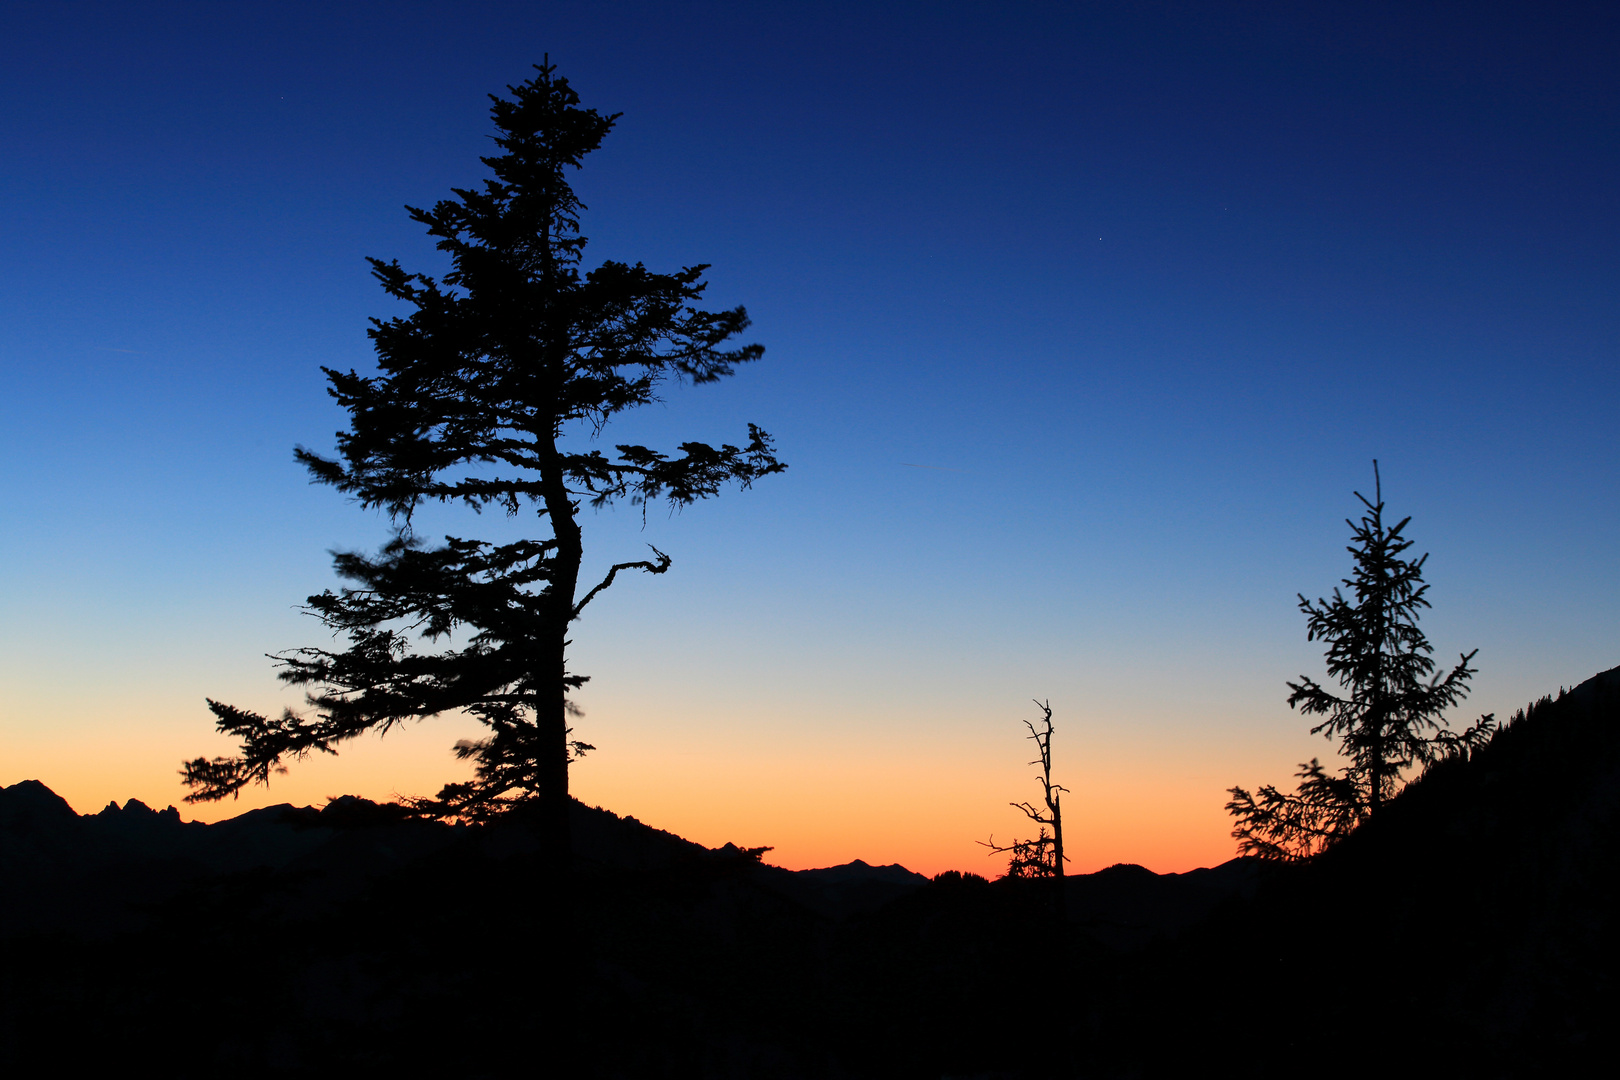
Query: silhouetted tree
x,y
1043,856
490,393
1388,719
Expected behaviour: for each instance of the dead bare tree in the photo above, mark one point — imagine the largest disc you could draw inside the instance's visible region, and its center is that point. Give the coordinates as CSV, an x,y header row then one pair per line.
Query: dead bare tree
x,y
1041,857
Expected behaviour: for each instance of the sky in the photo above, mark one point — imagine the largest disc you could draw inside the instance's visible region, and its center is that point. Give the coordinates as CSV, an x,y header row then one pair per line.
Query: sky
x,y
1083,323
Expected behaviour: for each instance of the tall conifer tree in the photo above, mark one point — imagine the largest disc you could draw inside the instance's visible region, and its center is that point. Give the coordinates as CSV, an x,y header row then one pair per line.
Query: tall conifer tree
x,y
489,394
1388,717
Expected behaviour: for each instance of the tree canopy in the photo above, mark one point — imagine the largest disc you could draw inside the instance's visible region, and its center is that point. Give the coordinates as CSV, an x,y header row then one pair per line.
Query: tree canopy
x,y
491,392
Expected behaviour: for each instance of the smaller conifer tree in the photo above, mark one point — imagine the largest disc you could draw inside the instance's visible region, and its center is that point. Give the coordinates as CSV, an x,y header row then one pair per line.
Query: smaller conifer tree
x,y
1388,718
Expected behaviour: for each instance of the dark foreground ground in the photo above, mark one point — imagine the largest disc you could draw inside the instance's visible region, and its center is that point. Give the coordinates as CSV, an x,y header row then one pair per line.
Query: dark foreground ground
x,y
1470,930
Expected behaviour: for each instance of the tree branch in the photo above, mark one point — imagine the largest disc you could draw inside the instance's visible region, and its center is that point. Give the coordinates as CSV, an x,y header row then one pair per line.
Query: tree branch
x,y
651,567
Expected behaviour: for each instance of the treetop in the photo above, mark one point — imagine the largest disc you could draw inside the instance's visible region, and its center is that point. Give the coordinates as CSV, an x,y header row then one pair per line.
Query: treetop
x,y
513,344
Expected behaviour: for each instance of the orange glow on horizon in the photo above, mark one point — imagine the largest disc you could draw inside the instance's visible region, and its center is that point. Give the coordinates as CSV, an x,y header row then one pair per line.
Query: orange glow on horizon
x,y
813,809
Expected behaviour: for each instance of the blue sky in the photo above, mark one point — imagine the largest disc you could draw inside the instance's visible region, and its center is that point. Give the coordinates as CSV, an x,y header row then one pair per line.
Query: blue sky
x,y
1144,287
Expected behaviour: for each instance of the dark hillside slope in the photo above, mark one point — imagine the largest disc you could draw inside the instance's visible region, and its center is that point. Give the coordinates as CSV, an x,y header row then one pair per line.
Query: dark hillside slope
x,y
1472,923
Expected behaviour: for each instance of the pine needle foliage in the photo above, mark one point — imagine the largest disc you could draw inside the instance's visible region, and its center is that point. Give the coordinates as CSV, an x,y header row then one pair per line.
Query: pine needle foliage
x,y
1387,716
491,393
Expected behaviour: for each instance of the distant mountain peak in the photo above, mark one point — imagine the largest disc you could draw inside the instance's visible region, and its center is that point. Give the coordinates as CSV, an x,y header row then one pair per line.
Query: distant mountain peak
x,y
31,801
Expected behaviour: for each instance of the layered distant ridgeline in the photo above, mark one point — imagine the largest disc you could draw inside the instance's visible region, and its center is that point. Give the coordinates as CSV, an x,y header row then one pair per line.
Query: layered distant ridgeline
x,y
116,871
1470,925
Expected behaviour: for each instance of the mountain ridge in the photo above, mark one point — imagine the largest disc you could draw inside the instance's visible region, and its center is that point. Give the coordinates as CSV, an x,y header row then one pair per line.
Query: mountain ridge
x,y
59,855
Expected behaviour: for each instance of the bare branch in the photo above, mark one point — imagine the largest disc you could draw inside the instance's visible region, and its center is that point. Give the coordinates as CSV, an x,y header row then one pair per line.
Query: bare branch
x,y
652,568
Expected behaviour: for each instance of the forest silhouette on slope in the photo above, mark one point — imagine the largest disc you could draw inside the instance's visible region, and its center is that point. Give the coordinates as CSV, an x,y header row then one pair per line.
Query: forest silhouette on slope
x,y
1468,925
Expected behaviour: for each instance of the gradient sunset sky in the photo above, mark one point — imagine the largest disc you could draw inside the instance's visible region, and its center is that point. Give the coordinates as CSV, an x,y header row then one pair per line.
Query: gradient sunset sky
x,y
1083,322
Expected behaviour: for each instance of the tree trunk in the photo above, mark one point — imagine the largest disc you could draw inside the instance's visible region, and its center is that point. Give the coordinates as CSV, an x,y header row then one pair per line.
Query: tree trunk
x,y
1057,846
552,707
552,719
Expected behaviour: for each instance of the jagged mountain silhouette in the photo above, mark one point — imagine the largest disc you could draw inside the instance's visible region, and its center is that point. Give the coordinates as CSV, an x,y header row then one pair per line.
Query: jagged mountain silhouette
x,y
102,873
105,872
